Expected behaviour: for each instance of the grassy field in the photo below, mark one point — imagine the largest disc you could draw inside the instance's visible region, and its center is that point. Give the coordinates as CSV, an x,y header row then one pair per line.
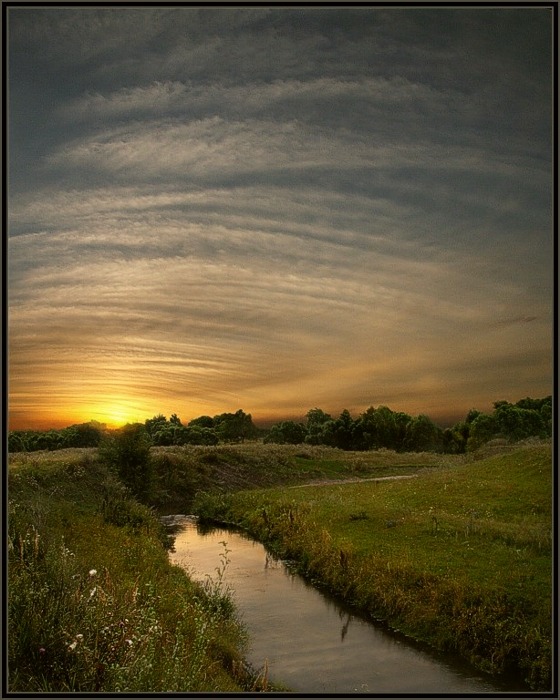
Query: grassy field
x,y
93,603
459,557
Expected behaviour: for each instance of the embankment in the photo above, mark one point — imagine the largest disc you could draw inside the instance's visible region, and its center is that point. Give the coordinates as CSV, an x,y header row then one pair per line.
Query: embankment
x,y
459,557
94,604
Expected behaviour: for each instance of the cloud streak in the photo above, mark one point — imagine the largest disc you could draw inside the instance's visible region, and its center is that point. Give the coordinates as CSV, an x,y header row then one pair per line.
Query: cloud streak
x,y
276,209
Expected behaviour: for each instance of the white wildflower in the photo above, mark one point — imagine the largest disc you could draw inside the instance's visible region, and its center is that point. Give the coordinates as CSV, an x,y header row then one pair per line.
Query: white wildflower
x,y
92,572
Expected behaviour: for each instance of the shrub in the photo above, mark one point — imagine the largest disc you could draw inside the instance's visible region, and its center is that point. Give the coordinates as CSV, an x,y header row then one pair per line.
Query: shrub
x,y
128,452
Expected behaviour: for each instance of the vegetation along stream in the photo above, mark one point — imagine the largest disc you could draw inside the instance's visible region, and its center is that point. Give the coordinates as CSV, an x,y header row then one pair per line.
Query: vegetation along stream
x,y
307,641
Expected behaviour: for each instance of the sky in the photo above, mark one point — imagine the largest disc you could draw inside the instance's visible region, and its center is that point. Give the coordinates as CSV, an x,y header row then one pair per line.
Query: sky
x,y
277,209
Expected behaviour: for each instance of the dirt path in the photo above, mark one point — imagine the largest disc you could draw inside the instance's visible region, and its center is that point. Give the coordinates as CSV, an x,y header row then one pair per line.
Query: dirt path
x,y
354,480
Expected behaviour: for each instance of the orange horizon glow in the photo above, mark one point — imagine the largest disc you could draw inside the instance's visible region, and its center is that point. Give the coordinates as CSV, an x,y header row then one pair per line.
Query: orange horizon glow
x,y
115,414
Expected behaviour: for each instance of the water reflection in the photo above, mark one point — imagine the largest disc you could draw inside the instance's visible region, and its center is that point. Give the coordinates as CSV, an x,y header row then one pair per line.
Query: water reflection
x,y
345,626
309,642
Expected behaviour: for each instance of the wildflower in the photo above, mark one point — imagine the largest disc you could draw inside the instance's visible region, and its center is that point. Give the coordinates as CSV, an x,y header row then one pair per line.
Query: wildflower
x,y
79,637
42,650
92,592
72,646
92,572
129,642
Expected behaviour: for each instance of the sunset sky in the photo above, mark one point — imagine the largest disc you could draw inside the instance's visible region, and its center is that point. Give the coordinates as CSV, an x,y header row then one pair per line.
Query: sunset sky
x,y
276,209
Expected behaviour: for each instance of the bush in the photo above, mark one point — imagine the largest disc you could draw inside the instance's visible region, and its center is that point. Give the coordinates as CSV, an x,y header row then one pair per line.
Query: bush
x,y
128,452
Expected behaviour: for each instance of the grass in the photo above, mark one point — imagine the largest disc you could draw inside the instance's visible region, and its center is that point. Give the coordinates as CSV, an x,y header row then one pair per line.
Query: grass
x,y
94,604
459,557
182,472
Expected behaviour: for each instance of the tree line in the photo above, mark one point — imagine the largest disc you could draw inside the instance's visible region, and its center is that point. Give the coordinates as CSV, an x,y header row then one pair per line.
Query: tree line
x,y
381,427
204,430
374,429
80,435
160,431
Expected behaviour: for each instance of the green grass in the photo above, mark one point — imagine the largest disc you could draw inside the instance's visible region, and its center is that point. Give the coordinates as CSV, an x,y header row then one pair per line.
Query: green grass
x,y
459,556
94,604
182,472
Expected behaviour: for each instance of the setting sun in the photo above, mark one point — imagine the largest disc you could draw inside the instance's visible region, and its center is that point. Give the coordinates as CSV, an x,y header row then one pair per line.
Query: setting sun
x,y
114,413
116,417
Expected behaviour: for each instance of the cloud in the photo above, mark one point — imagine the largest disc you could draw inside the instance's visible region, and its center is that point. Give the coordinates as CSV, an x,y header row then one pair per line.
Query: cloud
x,y
270,209
323,100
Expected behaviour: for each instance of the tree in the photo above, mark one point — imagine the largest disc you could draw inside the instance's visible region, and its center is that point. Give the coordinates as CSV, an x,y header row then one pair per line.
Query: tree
x,y
482,429
163,435
128,452
343,431
287,433
316,416
19,441
471,415
234,427
85,434
202,422
455,439
381,427
175,420
517,424
317,431
153,425
546,414
534,404
200,436
544,408
423,435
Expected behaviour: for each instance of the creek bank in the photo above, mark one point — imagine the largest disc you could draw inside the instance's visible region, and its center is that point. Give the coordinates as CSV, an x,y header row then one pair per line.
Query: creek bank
x,y
296,563
481,525
299,564
336,650
94,604
486,619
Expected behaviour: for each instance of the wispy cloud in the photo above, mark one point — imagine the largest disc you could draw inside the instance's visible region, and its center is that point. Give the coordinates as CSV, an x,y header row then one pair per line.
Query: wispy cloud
x,y
275,209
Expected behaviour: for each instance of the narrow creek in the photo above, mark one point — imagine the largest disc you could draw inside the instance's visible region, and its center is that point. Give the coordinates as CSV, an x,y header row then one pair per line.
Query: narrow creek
x,y
310,643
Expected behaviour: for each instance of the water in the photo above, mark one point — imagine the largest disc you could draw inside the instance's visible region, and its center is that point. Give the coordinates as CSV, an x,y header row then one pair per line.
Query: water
x,y
310,643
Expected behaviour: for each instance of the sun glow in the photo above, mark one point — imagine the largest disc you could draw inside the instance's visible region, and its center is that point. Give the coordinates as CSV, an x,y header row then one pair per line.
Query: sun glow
x,y
116,417
114,413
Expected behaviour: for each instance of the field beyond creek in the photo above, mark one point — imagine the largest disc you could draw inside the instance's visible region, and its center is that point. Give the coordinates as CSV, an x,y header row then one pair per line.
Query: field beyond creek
x,y
458,556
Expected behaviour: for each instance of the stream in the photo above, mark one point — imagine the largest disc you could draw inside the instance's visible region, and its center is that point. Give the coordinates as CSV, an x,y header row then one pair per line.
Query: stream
x,y
311,643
